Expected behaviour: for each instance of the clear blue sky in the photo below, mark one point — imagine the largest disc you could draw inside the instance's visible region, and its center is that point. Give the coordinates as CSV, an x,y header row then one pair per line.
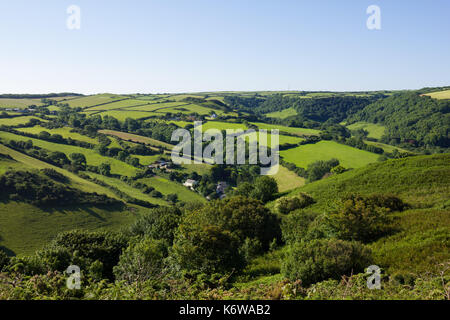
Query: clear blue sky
x,y
156,46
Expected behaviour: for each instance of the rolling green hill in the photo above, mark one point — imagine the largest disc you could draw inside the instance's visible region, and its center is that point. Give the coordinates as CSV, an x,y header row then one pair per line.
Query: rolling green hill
x,y
92,157
25,228
24,162
423,182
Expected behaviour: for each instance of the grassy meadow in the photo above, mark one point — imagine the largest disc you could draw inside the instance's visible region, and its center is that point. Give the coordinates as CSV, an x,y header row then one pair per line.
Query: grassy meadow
x,y
136,138
445,94
282,114
11,122
18,103
348,157
375,131
65,132
26,228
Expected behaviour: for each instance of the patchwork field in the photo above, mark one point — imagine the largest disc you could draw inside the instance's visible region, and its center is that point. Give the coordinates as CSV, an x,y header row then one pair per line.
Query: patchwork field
x,y
123,115
26,163
223,125
19,103
127,103
18,120
65,132
375,131
94,100
92,157
129,190
349,157
136,138
159,106
293,130
191,108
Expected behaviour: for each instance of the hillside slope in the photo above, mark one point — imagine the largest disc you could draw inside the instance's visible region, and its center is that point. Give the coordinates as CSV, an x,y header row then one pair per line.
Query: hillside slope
x,y
422,241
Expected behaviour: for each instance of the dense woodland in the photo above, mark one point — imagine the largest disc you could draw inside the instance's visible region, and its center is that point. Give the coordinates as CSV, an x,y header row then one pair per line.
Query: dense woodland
x,y
411,120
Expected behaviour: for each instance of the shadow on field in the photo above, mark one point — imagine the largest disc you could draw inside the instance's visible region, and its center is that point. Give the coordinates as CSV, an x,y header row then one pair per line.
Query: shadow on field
x,y
86,208
8,251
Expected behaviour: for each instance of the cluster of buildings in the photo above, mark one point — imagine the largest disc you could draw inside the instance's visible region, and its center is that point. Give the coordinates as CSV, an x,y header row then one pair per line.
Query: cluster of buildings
x,y
161,164
220,188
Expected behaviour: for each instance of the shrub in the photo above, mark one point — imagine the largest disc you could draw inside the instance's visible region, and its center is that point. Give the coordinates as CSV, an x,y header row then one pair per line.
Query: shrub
x,y
295,226
285,205
364,219
141,261
318,169
158,223
207,249
264,189
55,175
324,259
244,217
4,260
156,194
87,247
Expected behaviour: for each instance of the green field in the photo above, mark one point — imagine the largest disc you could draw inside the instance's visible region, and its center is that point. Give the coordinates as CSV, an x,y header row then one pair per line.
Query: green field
x,y
440,94
147,160
129,190
201,168
18,103
25,228
223,125
25,162
136,138
92,157
190,108
181,124
375,131
159,106
282,114
386,147
122,115
127,103
287,180
65,132
94,100
349,157
167,187
293,130
17,120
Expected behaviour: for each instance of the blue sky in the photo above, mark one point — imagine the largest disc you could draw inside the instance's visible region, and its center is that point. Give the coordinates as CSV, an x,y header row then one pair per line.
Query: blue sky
x,y
156,46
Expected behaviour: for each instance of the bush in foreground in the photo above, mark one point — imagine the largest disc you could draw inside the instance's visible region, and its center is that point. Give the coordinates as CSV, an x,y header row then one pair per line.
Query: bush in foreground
x,y
285,205
324,259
